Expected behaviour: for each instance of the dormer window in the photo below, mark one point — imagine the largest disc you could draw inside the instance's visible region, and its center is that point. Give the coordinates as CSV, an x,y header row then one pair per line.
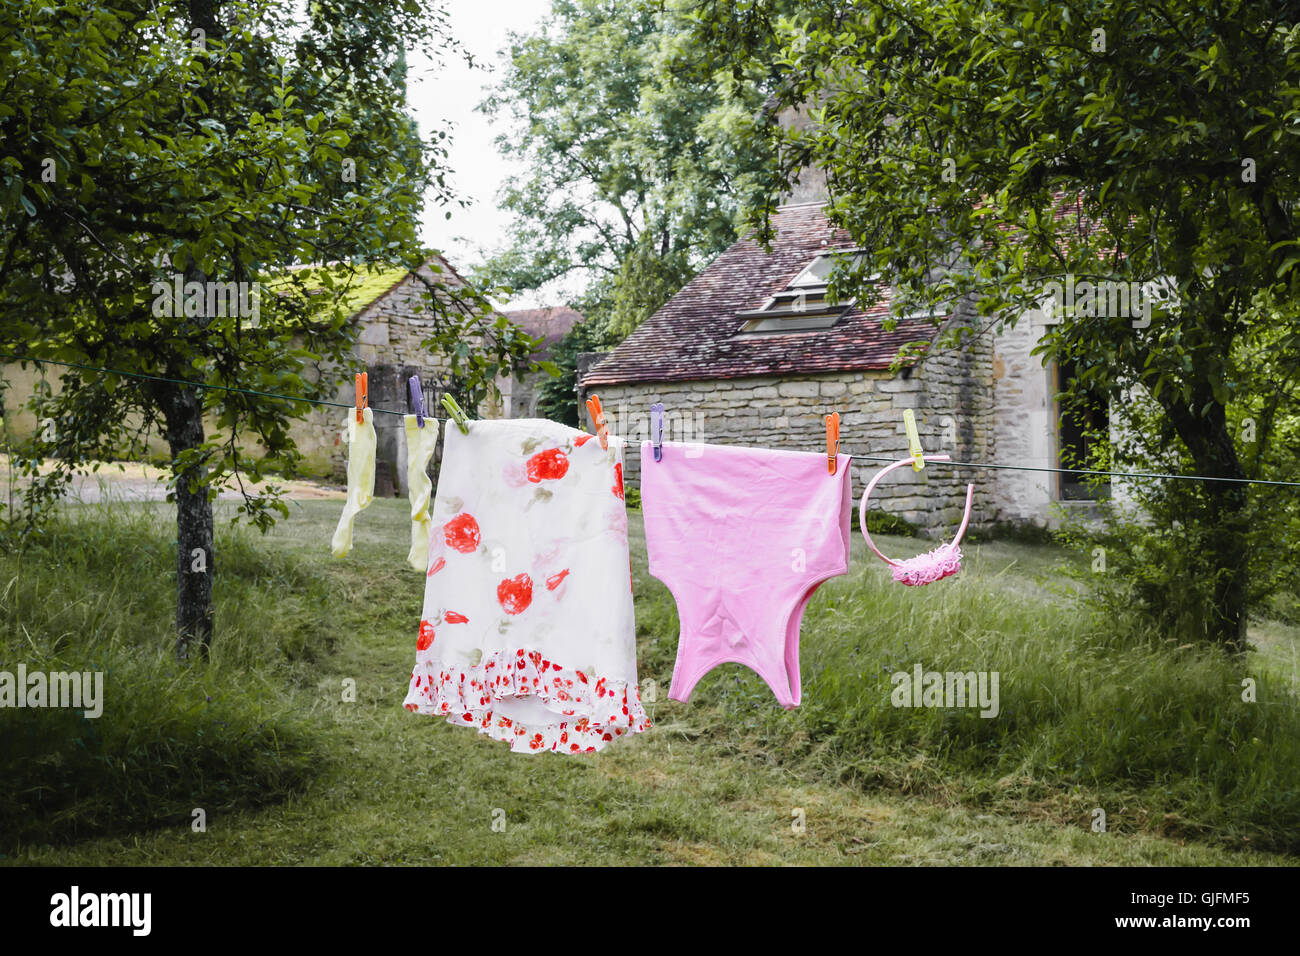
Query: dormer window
x,y
803,304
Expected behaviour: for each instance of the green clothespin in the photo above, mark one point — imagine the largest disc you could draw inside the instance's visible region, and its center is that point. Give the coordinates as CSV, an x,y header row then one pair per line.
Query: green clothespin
x,y
913,440
456,414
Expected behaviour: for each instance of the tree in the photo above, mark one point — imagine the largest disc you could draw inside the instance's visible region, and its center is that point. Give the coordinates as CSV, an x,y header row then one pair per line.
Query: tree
x,y
557,397
635,165
207,146
986,147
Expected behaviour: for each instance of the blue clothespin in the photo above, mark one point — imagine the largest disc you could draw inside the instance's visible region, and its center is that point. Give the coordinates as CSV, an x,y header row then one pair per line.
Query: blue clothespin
x,y
417,399
657,429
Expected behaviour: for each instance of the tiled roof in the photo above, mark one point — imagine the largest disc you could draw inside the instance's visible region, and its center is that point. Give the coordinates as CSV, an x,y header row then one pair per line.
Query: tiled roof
x,y
693,335
550,323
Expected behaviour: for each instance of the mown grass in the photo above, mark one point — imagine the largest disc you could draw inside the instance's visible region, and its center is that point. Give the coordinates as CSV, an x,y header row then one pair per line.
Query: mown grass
x,y
300,773
1159,737
98,595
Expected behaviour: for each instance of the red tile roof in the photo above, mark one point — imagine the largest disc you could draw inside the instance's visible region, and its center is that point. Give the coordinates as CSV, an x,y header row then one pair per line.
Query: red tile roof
x,y
550,323
692,336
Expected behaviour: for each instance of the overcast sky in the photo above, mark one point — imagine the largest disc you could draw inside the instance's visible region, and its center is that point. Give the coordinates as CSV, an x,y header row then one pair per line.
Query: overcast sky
x,y
450,94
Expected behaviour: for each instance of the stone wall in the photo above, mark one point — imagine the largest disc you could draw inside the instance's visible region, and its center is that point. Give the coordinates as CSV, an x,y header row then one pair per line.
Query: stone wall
x,y
1024,412
390,332
391,329
949,393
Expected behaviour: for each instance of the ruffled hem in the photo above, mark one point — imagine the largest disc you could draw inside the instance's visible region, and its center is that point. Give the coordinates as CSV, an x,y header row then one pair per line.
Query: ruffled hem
x,y
927,568
591,711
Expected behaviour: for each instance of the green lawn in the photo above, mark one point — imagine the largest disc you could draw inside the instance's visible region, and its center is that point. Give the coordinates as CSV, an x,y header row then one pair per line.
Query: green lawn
x,y
721,780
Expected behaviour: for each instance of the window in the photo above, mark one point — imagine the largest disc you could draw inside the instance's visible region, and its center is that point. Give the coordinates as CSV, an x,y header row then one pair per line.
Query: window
x,y
802,305
816,273
1080,426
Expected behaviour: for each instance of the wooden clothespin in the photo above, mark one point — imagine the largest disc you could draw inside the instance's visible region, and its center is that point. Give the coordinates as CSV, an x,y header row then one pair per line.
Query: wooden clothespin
x,y
598,420
832,441
456,414
913,440
417,399
363,394
657,429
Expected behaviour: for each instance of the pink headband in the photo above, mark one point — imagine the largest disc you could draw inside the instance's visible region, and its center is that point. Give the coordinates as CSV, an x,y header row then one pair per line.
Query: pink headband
x,y
924,568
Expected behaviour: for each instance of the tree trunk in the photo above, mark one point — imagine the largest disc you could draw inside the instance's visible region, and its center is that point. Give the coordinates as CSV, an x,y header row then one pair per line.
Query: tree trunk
x,y
195,557
1210,442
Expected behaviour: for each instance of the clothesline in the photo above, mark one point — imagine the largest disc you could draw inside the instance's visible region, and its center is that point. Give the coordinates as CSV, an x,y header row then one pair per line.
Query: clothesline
x,y
1087,471
386,411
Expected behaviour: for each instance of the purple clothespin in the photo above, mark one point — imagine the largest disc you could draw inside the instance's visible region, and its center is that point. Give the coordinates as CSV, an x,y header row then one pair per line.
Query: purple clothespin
x,y
657,429
417,399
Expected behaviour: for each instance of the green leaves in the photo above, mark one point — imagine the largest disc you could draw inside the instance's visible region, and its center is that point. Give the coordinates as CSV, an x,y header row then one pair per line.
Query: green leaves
x,y
1167,155
220,166
633,150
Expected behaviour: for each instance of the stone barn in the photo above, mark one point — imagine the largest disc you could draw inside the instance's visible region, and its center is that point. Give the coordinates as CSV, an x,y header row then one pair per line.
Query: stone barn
x,y
519,394
750,352
392,320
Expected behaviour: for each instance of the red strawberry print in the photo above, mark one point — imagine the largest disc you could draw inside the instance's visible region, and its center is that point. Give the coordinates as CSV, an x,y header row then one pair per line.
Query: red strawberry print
x,y
426,636
437,566
515,594
554,580
618,480
550,464
582,440
462,533
453,617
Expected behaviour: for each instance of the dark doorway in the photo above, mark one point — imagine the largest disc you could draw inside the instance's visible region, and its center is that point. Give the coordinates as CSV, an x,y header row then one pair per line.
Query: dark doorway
x,y
1082,421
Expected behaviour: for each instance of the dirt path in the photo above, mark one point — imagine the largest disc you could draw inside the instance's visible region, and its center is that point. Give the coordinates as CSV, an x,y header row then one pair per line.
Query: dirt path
x,y
132,481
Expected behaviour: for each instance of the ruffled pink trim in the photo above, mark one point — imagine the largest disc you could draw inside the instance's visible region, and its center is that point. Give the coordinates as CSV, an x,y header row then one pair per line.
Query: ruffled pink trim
x,y
929,567
597,709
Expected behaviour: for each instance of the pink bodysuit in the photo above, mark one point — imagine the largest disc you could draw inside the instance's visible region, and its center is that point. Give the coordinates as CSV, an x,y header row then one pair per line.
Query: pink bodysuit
x,y
743,537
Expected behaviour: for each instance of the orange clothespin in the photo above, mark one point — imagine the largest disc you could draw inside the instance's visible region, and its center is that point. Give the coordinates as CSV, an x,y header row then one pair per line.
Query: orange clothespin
x,y
913,440
598,420
363,394
832,441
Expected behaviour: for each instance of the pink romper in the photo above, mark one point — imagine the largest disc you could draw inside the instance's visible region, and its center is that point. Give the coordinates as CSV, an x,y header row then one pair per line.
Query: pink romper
x,y
743,537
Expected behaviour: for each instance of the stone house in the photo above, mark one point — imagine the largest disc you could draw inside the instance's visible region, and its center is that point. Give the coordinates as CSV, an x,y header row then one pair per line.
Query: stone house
x,y
751,352
391,318
519,394
391,324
